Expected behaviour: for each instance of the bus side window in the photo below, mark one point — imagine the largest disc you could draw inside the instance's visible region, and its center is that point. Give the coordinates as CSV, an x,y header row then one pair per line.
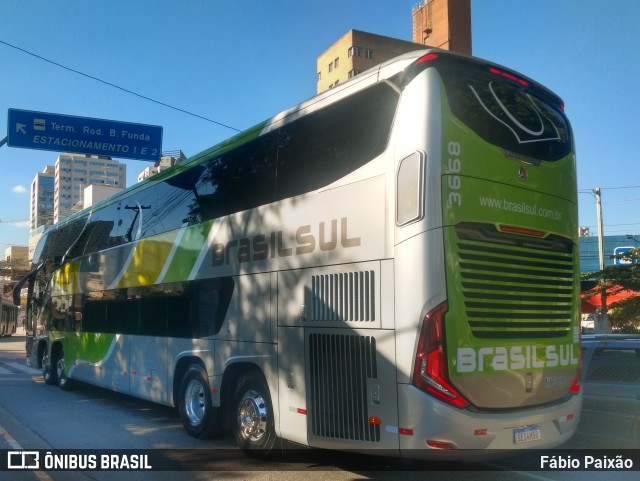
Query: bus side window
x,y
175,203
212,300
326,145
409,195
240,179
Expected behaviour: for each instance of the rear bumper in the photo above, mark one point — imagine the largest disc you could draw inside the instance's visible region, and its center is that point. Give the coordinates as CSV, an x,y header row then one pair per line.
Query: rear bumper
x,y
427,419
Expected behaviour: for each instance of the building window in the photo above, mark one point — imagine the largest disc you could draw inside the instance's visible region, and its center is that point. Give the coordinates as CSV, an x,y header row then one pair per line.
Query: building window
x,y
353,73
355,51
336,62
370,54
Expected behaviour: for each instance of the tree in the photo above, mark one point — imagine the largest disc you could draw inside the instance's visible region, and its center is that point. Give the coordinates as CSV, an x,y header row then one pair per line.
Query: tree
x,y
624,314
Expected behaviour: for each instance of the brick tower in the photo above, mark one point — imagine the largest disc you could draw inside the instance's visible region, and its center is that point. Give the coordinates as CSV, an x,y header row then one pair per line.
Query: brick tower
x,y
444,24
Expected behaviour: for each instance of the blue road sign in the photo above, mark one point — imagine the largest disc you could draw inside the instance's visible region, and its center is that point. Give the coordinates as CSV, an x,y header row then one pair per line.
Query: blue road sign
x,y
621,261
83,135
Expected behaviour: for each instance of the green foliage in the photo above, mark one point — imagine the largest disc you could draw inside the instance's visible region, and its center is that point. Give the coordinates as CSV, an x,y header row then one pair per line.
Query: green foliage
x,y
624,314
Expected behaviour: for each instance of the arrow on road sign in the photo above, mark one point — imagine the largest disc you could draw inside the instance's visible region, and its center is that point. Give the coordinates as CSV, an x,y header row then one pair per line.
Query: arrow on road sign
x,y
20,129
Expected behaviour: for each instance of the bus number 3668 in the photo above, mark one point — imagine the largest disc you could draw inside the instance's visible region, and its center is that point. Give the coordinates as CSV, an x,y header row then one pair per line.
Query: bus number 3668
x,y
455,198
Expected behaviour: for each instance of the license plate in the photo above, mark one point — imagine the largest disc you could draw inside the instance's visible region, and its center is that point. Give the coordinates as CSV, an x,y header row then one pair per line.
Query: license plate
x,y
527,434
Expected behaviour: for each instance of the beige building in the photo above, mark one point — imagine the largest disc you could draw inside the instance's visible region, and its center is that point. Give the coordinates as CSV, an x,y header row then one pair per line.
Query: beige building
x,y
17,257
93,194
168,159
443,24
74,172
356,52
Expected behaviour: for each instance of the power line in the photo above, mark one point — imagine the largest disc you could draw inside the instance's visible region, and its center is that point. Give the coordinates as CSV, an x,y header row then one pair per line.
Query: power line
x,y
117,86
617,201
588,191
621,187
620,201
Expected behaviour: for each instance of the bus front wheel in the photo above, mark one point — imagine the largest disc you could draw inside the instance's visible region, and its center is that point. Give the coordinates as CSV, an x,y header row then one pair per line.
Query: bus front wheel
x,y
63,381
48,373
199,418
253,428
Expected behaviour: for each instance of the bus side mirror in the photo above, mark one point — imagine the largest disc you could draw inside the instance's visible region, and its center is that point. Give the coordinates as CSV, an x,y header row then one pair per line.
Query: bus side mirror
x,y
16,297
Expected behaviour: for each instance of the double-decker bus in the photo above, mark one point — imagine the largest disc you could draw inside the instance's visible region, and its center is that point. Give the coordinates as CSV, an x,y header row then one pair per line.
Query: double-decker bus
x,y
8,318
391,265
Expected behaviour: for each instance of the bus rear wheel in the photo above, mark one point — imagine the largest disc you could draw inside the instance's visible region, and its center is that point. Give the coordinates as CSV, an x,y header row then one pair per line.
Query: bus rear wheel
x,y
253,428
200,419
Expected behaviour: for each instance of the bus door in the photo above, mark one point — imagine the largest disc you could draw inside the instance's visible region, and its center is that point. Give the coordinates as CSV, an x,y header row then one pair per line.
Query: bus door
x,y
148,354
116,364
292,384
148,367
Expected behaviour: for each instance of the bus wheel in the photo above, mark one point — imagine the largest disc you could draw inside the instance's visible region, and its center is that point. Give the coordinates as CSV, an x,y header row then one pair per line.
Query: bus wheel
x,y
63,381
48,373
253,428
199,418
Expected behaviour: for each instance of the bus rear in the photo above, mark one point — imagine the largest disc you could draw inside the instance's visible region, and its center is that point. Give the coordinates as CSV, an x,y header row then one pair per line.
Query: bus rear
x,y
496,363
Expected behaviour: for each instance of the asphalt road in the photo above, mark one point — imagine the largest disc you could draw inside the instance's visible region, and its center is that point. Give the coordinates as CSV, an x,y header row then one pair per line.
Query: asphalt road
x,y
35,416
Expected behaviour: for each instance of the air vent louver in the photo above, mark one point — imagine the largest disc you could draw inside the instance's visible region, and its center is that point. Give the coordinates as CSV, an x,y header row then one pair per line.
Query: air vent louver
x,y
515,287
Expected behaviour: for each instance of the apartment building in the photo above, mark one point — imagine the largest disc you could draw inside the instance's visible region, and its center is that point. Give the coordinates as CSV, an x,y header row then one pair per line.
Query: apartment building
x,y
355,52
444,24
41,199
74,172
168,159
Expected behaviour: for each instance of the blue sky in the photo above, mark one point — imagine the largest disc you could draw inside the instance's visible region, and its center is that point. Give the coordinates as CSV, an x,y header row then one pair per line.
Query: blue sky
x,y
239,63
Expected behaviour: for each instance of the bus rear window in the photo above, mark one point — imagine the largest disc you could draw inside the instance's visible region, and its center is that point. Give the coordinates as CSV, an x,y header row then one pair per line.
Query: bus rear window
x,y
515,116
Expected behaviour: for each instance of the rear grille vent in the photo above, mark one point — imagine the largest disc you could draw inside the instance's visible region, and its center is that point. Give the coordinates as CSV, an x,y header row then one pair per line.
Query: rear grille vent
x,y
516,288
339,368
343,297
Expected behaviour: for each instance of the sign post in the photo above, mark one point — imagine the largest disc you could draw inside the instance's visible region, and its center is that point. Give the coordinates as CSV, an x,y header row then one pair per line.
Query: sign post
x,y
83,135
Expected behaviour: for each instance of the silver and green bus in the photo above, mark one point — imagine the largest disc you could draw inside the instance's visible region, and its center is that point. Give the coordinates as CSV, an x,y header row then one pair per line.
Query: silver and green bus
x,y
391,265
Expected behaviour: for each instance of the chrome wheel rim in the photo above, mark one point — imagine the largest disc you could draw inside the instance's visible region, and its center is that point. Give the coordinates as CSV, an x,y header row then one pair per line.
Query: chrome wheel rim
x,y
195,402
60,368
252,416
46,373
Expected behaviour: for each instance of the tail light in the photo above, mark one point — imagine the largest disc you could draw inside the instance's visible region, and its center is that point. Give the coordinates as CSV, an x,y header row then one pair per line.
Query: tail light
x,y
430,372
508,76
427,58
575,385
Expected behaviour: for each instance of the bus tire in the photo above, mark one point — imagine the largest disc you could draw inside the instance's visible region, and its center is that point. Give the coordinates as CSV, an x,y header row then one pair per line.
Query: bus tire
x,y
200,419
48,373
253,425
63,381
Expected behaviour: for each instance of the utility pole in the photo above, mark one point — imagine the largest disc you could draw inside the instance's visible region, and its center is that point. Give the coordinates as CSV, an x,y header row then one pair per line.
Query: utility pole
x,y
602,326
